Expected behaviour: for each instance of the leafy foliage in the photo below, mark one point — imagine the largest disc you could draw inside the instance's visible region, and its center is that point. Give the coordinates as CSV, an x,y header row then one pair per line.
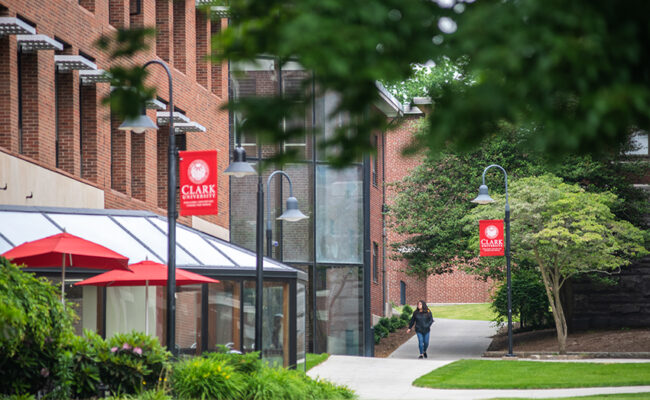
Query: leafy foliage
x,y
34,329
564,231
529,300
431,201
132,362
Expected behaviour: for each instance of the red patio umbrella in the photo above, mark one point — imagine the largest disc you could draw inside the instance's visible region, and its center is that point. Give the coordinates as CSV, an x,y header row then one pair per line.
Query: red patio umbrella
x,y
64,248
145,273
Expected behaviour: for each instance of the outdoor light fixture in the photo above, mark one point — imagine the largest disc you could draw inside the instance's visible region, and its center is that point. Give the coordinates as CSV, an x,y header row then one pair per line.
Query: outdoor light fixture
x,y
291,214
239,167
15,26
31,43
141,124
484,198
138,124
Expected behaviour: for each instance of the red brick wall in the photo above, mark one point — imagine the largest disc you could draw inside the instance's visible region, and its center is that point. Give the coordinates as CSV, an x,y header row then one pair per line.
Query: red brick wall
x,y
456,287
376,228
135,171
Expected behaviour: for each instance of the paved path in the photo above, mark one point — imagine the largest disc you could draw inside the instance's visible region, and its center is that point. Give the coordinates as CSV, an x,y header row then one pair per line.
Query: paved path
x,y
391,378
451,339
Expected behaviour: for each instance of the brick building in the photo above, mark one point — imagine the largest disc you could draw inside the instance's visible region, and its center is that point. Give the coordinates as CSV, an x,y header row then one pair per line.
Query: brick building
x,y
53,119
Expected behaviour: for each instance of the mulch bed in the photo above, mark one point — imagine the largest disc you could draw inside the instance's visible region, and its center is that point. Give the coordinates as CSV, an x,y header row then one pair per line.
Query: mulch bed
x,y
394,340
611,340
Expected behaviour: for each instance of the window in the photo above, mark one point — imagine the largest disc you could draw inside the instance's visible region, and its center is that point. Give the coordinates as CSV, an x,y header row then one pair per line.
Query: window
x,y
402,293
375,259
638,144
375,160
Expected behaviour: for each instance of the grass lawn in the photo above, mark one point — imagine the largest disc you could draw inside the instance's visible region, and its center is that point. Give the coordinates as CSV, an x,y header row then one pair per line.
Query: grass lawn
x,y
313,360
483,374
622,396
477,312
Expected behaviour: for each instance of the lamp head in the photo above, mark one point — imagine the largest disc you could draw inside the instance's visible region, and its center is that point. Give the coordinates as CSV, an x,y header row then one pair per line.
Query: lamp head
x,y
239,167
138,124
483,196
292,213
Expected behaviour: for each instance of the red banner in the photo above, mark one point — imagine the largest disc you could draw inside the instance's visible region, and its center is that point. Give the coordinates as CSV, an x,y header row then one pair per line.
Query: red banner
x,y
198,173
491,237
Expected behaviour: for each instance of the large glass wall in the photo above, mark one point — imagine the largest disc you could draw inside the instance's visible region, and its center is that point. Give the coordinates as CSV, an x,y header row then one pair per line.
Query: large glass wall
x,y
224,313
329,244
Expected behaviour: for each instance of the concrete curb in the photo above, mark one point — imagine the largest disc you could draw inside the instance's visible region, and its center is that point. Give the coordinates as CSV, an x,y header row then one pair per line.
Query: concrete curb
x,y
548,355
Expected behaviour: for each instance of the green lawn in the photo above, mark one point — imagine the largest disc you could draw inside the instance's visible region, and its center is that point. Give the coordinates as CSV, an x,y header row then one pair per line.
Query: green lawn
x,y
313,360
502,374
477,312
622,396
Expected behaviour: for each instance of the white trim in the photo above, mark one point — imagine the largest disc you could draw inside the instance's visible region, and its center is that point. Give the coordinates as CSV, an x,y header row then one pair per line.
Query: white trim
x,y
189,127
90,77
154,104
163,117
66,63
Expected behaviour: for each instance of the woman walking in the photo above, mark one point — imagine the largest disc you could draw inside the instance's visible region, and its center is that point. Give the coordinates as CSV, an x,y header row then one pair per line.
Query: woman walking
x,y
422,319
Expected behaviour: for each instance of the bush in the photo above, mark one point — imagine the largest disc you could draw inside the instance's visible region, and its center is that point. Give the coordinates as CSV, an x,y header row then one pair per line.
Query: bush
x,y
408,310
396,322
33,330
132,363
377,338
207,378
385,322
248,363
529,300
381,330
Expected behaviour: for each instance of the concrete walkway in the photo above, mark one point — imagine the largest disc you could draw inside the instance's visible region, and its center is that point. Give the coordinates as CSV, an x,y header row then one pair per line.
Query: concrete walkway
x,y
451,339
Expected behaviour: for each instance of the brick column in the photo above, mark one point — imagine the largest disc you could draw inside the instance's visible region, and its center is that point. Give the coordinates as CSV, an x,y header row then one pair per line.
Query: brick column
x,y
162,146
202,27
164,45
89,137
144,165
120,158
67,109
103,137
9,137
216,73
180,32
118,13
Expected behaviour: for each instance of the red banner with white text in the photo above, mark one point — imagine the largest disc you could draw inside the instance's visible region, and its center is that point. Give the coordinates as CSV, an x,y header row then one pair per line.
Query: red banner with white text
x,y
198,182
491,237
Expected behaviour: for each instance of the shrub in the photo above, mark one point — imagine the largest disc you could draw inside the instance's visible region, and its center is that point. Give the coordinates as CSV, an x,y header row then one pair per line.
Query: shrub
x,y
385,322
132,363
408,310
377,338
210,378
396,322
33,329
529,300
157,394
248,363
381,330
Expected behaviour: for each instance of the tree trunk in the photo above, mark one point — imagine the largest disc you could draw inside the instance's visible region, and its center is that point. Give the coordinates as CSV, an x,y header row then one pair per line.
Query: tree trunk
x,y
552,285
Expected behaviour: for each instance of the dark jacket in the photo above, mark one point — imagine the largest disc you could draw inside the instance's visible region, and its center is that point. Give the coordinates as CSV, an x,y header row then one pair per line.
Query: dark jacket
x,y
422,321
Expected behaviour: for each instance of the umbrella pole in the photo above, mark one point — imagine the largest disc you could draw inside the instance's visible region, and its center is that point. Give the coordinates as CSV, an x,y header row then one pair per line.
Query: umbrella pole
x,y
146,309
63,280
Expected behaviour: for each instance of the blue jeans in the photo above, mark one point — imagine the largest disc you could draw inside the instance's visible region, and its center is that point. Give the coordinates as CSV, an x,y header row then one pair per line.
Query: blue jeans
x,y
423,341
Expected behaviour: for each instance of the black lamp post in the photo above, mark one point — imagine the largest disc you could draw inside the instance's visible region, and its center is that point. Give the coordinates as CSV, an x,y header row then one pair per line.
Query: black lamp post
x,y
484,198
139,125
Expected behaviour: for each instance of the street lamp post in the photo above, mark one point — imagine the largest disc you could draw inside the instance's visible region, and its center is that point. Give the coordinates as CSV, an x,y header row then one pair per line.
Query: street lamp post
x,y
291,214
484,198
139,125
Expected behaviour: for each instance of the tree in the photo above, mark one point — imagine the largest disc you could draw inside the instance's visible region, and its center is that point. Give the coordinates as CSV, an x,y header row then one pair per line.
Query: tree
x,y
564,231
431,201
574,72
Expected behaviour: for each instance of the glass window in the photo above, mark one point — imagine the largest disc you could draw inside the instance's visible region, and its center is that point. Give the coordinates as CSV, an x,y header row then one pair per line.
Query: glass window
x,y
156,240
21,227
4,245
339,313
639,144
238,256
100,229
188,319
375,259
224,314
126,308
196,245
301,326
339,215
297,237
248,326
